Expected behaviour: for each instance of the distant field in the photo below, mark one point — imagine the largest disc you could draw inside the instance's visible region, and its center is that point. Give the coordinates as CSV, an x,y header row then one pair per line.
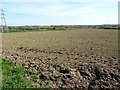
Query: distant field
x,y
65,58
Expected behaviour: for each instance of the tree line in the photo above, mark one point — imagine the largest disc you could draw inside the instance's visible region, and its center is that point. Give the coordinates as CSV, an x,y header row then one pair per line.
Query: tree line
x,y
58,27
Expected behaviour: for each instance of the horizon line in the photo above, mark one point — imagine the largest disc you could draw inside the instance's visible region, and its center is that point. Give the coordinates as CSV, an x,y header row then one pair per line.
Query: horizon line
x,y
65,25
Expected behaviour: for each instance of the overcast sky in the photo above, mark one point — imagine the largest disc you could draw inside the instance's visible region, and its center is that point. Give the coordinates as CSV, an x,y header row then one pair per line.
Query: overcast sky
x,y
60,12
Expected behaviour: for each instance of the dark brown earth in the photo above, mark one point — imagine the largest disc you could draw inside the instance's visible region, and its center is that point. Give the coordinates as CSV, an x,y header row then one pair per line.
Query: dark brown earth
x,y
90,61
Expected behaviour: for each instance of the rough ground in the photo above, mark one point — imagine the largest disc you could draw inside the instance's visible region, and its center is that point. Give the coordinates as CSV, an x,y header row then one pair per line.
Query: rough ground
x,y
66,59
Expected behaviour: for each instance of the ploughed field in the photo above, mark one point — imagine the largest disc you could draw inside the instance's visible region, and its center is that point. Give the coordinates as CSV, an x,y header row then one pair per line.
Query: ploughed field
x,y
72,59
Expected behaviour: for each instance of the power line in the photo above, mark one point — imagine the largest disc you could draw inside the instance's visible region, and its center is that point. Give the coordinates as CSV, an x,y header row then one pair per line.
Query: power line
x,y
4,27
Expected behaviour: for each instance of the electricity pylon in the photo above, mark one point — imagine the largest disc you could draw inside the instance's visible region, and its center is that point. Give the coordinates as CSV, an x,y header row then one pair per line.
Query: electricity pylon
x,y
4,27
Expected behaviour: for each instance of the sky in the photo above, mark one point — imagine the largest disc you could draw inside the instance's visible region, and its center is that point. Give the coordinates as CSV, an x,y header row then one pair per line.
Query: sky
x,y
60,12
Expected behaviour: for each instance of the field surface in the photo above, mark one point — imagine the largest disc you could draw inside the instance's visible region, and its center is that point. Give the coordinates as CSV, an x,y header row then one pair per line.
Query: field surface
x,y
72,59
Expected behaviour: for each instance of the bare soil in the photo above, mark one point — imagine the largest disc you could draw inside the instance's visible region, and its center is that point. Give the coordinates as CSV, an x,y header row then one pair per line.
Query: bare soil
x,y
66,59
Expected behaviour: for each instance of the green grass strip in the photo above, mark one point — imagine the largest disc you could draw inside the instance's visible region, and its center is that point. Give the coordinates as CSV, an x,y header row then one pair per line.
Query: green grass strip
x,y
13,76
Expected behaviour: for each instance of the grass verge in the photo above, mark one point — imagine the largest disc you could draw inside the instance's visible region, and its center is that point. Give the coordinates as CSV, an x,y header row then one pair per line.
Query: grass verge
x,y
13,76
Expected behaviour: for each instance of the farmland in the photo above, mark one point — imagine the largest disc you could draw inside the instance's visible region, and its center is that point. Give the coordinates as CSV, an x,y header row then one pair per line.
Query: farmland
x,y
73,59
